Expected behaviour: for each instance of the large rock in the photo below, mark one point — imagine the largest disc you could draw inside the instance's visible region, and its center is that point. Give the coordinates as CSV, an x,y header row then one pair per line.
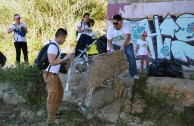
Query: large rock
x,y
182,90
105,67
111,112
9,94
107,72
12,97
102,97
127,79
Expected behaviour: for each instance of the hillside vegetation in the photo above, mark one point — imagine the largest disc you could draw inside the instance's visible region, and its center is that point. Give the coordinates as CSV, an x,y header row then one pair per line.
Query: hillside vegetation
x,y
43,18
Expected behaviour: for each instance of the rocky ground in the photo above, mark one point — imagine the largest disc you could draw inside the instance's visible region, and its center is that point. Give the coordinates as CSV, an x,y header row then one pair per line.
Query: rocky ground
x,y
117,99
20,115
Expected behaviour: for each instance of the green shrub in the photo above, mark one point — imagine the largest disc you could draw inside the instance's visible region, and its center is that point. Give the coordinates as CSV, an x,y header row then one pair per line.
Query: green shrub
x,y
27,80
192,76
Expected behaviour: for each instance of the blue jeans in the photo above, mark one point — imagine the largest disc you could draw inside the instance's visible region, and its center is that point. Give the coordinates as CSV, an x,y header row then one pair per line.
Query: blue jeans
x,y
129,53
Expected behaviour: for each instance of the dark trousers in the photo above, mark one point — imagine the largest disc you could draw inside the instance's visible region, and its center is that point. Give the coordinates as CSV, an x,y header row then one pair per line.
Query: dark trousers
x,y
129,53
21,46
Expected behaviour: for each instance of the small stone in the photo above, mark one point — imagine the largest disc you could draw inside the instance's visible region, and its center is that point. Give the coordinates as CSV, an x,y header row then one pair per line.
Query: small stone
x,y
124,116
40,112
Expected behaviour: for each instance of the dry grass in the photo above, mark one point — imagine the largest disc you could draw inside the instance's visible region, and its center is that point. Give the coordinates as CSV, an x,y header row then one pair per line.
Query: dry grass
x,y
43,18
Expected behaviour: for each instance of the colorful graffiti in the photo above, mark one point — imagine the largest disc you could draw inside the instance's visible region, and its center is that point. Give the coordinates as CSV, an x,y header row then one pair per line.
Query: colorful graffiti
x,y
168,37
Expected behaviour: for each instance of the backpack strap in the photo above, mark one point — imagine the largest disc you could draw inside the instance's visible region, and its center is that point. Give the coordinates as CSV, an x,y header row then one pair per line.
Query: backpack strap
x,y
57,52
15,33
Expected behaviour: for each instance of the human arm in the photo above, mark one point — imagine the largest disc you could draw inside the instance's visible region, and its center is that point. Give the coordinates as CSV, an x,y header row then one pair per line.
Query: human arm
x,y
127,40
127,35
110,38
52,54
81,30
23,25
110,45
79,27
149,53
25,28
54,61
12,28
137,48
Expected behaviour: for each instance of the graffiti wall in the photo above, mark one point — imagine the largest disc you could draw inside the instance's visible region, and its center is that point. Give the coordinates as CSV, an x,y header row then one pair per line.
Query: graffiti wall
x,y
169,36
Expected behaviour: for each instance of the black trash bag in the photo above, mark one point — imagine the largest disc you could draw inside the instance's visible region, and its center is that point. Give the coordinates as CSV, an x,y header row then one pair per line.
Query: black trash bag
x,y
2,59
63,68
101,44
165,68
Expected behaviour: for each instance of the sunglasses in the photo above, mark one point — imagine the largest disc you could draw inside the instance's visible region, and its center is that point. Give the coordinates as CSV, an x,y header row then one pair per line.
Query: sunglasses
x,y
143,35
116,23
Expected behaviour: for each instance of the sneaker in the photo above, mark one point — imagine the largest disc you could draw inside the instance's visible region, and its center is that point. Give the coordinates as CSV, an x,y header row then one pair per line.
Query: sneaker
x,y
136,77
55,122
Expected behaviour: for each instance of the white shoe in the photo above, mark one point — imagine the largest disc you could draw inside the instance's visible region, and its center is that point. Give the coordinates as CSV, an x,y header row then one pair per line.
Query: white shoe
x,y
136,77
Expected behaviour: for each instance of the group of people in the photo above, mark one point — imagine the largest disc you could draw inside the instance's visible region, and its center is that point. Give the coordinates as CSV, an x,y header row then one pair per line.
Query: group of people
x,y
118,36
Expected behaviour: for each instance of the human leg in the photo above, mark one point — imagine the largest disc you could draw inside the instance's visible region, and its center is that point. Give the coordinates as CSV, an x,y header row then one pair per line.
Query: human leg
x,y
141,61
147,61
129,52
18,51
52,84
25,50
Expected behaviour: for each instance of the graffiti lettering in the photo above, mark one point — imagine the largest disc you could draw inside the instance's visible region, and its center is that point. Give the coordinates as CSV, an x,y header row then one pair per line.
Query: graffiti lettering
x,y
171,36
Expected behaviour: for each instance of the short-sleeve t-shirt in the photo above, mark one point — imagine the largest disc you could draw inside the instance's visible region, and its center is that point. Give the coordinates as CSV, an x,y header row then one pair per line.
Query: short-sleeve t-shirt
x,y
83,26
142,47
118,36
52,49
17,37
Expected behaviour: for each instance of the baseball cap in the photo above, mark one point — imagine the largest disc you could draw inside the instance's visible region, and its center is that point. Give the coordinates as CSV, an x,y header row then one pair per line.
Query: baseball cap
x,y
16,16
144,33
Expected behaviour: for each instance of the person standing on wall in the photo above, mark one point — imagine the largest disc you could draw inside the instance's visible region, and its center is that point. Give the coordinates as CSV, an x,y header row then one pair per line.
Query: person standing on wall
x,y
20,43
143,50
119,36
50,74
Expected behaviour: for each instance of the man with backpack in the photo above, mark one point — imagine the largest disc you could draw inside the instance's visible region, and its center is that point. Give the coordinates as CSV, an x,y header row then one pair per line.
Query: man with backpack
x,y
20,30
50,74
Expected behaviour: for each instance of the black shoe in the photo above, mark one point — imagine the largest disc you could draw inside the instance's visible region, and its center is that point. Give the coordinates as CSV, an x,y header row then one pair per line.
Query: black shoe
x,y
58,114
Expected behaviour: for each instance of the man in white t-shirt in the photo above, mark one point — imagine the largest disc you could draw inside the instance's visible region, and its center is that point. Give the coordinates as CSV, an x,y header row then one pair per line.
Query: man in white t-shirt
x,y
119,37
20,42
53,83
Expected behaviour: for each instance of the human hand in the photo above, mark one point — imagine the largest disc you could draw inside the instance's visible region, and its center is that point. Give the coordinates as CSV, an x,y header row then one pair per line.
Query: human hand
x,y
67,57
112,50
150,55
17,27
122,47
72,55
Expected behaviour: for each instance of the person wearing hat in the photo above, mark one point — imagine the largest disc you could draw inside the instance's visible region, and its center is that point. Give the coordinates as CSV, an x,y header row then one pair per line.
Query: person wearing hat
x,y
119,37
143,50
20,43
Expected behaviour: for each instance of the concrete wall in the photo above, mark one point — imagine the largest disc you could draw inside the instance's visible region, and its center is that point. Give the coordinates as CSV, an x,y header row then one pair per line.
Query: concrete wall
x,y
169,23
141,1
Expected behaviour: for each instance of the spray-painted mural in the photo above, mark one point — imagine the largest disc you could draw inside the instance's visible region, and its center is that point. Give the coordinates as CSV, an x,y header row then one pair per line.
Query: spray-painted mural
x,y
169,37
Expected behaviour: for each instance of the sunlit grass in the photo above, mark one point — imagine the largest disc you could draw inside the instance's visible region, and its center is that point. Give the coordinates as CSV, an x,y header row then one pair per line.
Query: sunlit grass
x,y
43,18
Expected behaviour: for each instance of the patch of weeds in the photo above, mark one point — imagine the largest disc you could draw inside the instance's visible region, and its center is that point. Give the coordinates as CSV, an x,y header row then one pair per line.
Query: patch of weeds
x,y
186,117
192,76
27,80
158,107
122,123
